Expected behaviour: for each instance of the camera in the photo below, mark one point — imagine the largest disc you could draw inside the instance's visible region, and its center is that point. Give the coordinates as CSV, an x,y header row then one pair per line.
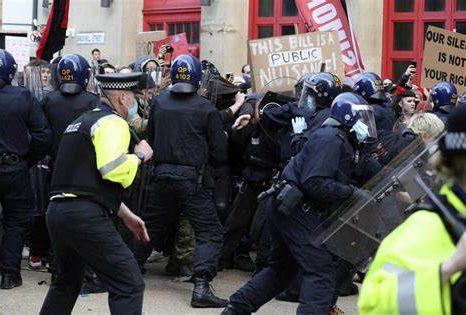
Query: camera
x,y
169,49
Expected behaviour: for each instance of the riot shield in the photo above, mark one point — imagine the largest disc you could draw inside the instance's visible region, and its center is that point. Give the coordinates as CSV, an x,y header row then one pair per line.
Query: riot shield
x,y
272,86
354,231
33,80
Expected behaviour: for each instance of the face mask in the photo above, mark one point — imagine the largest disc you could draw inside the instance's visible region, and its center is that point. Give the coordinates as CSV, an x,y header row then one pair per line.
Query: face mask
x,y
361,130
133,110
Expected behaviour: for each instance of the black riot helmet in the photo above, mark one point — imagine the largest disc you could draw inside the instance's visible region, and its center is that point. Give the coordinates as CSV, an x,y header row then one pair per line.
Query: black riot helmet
x,y
319,90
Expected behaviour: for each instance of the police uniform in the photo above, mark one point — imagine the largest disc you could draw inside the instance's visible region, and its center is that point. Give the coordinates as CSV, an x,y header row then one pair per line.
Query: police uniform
x,y
405,276
91,170
62,108
186,131
318,179
24,140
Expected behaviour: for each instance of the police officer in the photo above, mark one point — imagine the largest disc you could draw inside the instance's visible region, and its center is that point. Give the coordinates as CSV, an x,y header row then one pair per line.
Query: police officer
x,y
369,86
187,131
24,140
71,100
91,169
419,267
443,97
63,106
317,180
318,92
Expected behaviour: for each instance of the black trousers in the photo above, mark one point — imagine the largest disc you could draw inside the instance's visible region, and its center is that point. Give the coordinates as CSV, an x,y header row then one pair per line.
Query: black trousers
x,y
168,198
239,219
17,200
82,233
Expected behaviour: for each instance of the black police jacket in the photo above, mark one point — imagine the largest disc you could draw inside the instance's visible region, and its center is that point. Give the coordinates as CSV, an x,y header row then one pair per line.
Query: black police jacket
x,y
324,168
186,129
75,169
261,153
23,127
61,109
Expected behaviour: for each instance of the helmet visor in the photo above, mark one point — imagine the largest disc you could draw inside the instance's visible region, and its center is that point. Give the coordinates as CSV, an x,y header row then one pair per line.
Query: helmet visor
x,y
366,116
308,98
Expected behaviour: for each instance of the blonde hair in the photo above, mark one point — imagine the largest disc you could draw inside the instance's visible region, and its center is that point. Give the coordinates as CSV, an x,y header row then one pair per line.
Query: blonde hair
x,y
426,124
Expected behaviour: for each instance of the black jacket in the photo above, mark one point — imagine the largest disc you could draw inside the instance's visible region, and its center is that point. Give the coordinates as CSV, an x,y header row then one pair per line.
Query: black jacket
x,y
186,129
61,109
23,127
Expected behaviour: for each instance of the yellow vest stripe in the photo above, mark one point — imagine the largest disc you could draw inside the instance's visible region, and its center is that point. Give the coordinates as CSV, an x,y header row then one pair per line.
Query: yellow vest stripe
x,y
406,294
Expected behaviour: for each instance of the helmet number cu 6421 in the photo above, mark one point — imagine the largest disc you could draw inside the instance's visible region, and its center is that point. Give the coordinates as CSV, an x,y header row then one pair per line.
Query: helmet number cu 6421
x,y
66,75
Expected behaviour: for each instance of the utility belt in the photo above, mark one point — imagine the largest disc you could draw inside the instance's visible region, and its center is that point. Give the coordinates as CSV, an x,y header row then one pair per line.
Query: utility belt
x,y
184,172
9,159
289,197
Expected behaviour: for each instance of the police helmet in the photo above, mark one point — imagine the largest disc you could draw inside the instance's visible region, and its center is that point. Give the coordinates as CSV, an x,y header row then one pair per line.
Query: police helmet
x,y
319,90
186,74
462,99
298,88
342,108
443,94
369,85
73,73
8,66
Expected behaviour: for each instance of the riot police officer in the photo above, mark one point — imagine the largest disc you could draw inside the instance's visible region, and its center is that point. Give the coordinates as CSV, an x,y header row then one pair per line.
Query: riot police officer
x,y
24,140
369,86
91,170
443,96
316,181
71,100
61,107
317,94
187,131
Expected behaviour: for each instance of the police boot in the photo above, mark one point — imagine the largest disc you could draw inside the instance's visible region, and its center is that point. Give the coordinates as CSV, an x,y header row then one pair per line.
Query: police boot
x,y
10,280
230,310
203,297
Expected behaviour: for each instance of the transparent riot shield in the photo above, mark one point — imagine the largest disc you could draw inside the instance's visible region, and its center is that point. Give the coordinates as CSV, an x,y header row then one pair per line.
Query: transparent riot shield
x,y
33,80
277,83
354,231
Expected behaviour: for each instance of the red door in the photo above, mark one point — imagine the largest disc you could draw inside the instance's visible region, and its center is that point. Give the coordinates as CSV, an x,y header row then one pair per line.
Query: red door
x,y
180,16
405,24
268,18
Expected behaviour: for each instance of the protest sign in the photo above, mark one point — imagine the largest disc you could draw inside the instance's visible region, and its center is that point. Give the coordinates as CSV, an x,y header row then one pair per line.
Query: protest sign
x,y
179,43
292,56
329,15
20,48
444,58
146,42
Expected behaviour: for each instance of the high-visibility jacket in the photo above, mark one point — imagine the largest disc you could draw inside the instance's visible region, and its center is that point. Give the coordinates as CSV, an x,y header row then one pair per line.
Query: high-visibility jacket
x,y
404,277
93,160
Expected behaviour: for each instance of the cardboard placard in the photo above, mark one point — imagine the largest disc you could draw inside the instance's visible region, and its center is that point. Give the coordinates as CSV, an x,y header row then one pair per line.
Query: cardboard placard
x,y
290,57
444,58
146,42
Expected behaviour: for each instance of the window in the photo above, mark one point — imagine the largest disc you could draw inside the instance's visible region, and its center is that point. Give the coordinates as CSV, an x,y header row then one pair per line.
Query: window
x,y
404,5
156,27
180,16
405,25
403,36
270,18
190,28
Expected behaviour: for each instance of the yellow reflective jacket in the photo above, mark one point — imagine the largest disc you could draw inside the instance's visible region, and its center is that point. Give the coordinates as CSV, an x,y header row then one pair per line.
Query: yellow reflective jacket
x,y
111,138
404,277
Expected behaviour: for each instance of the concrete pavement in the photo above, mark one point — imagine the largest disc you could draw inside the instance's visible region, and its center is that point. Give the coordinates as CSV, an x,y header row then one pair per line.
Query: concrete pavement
x,y
162,296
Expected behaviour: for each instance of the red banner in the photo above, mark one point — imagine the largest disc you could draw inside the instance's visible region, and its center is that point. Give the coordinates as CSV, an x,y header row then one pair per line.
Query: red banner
x,y
178,42
329,15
